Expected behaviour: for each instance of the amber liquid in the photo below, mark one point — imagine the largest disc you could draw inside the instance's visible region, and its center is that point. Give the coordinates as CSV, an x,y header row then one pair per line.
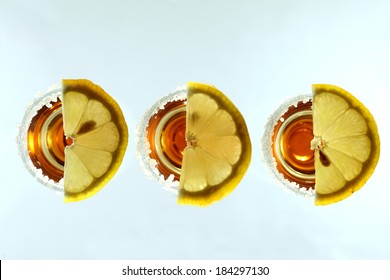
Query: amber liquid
x,y
166,135
291,145
46,141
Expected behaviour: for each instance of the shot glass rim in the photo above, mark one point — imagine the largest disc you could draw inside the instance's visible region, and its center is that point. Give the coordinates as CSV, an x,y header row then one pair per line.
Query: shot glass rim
x,y
268,158
149,165
40,100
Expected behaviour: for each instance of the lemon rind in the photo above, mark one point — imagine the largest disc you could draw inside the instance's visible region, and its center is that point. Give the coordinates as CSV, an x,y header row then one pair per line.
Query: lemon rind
x,y
94,91
372,132
215,193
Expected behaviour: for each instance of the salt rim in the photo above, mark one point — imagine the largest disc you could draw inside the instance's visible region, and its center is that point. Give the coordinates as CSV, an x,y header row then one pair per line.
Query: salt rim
x,y
266,141
148,164
40,100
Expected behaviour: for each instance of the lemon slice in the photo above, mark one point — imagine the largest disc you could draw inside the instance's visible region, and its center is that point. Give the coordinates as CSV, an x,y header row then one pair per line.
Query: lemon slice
x,y
96,124
346,143
218,149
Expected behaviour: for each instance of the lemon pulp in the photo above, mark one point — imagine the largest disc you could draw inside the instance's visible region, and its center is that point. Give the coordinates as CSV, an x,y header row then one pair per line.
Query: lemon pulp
x,y
218,149
96,124
346,143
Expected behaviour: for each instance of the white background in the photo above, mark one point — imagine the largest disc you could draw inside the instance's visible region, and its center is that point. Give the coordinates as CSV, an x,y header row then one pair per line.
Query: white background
x,y
259,53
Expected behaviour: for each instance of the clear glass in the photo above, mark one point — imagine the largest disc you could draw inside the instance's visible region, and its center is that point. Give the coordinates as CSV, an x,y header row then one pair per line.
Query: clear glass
x,y
286,145
161,139
41,139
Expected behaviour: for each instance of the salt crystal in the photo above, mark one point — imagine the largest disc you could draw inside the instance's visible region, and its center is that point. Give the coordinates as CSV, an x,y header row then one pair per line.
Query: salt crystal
x,y
148,164
21,139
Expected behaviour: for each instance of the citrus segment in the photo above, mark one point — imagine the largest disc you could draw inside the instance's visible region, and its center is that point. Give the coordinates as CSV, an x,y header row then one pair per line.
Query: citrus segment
x,y
218,149
73,111
97,162
96,124
77,177
107,131
346,143
347,165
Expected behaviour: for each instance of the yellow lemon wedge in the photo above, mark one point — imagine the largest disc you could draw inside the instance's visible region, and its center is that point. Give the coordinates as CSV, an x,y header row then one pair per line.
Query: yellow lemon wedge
x,y
346,143
98,129
218,150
